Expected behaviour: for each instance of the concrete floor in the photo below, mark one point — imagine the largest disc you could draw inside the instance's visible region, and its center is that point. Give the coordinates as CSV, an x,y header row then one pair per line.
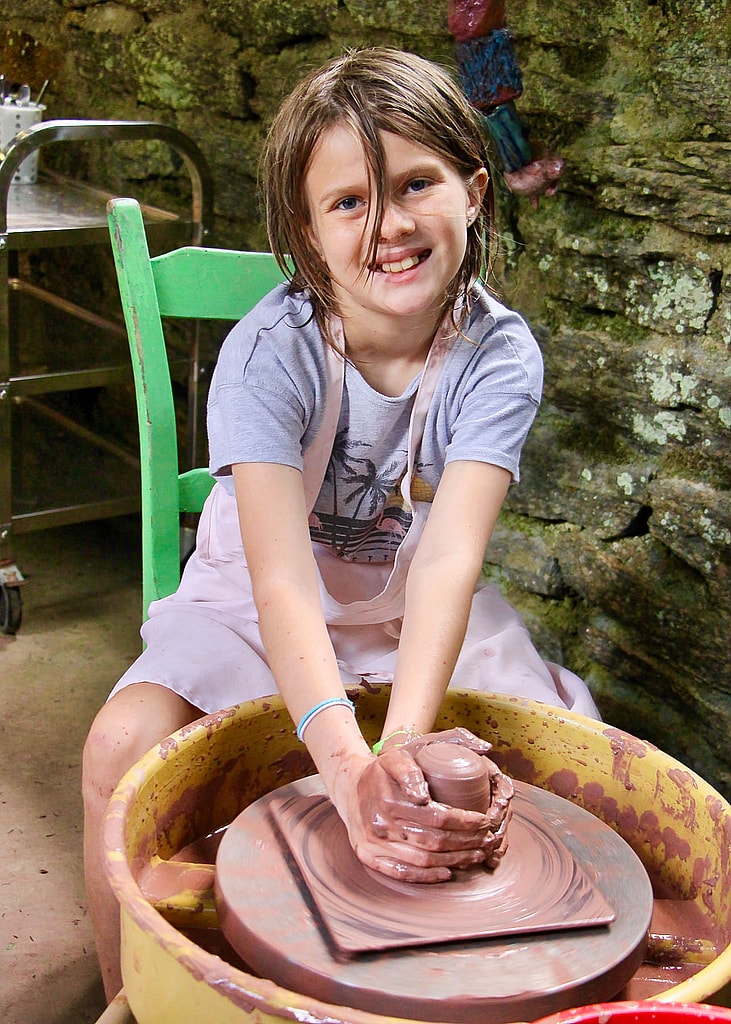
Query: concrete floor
x,y
81,618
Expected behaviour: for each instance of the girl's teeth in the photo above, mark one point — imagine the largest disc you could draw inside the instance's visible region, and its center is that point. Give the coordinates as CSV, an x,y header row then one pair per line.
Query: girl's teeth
x,y
394,268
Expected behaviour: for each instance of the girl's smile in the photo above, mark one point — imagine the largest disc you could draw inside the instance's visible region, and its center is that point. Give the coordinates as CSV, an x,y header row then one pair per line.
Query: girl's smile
x,y
392,295
399,266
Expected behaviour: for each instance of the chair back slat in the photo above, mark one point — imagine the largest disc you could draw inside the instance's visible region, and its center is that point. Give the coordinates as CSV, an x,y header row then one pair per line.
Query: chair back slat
x,y
191,282
212,284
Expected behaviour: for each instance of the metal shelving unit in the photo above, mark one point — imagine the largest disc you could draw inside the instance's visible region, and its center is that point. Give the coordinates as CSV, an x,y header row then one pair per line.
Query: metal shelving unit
x,y
42,446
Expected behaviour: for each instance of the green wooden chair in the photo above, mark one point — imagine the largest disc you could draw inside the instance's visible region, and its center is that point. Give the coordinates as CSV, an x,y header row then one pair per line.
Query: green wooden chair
x,y
191,282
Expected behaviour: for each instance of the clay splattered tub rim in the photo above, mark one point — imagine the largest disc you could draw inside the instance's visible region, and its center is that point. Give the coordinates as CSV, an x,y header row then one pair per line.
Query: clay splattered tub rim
x,y
252,994
648,1011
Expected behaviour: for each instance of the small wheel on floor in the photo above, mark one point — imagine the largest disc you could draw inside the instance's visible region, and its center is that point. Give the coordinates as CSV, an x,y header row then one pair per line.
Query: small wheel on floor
x,y
11,609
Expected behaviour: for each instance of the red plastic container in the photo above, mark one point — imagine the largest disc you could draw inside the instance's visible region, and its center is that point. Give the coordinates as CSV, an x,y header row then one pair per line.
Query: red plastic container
x,y
642,1012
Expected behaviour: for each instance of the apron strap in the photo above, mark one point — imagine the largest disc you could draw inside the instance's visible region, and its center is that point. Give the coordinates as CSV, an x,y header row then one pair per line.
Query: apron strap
x,y
317,457
440,348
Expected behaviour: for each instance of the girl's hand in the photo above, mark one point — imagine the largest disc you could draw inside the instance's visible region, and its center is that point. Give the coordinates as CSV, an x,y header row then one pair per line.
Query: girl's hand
x,y
501,787
395,828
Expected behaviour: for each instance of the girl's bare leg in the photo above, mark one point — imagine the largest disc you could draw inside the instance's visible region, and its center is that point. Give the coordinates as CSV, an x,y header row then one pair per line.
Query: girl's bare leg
x,y
129,725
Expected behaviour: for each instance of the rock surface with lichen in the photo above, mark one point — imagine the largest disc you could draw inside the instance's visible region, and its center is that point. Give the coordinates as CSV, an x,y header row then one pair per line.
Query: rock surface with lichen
x,y
615,544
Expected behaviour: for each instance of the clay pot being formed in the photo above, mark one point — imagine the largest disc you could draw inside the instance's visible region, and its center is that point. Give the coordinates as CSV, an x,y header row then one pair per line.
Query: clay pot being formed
x,y
456,776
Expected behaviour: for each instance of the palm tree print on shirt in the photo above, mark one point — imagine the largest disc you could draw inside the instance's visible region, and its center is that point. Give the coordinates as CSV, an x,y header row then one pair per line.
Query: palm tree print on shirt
x,y
341,463
364,517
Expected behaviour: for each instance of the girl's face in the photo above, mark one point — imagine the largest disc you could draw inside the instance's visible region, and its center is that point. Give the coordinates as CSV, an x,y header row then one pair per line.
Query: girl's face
x,y
427,208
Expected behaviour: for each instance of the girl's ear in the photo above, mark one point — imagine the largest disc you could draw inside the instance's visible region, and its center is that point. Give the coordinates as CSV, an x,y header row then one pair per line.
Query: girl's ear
x,y
476,188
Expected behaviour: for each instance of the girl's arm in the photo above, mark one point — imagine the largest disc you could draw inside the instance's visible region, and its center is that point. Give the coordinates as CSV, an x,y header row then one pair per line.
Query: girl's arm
x,y
273,520
439,591
380,800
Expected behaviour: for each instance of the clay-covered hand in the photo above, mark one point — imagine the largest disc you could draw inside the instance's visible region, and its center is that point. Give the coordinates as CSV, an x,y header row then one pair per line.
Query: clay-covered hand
x,y
395,828
414,741
501,787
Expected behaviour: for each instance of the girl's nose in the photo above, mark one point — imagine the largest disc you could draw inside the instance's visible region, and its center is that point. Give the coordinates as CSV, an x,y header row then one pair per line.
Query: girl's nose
x,y
396,221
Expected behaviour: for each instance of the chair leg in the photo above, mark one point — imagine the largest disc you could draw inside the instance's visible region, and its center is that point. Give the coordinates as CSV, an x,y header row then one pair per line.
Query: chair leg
x,y
118,1011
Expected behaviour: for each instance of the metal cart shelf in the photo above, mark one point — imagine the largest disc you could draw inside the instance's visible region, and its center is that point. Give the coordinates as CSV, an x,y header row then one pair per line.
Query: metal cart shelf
x,y
55,212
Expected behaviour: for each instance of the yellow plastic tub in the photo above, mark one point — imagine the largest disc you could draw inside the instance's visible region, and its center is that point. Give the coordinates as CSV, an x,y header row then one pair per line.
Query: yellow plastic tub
x,y
200,778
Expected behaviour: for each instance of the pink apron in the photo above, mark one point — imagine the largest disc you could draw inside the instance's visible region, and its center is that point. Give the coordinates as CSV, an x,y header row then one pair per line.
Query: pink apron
x,y
203,641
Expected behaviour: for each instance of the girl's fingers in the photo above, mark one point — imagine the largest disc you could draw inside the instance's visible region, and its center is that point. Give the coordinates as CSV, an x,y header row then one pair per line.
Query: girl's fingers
x,y
402,769
435,827
405,801
414,865
460,736
401,832
408,872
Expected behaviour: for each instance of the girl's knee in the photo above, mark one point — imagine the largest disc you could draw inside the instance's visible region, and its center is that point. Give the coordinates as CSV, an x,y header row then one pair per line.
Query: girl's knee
x,y
111,748
125,728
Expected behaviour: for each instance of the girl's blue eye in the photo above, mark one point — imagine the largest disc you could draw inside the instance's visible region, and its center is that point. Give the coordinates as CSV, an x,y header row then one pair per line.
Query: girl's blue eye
x,y
349,203
418,184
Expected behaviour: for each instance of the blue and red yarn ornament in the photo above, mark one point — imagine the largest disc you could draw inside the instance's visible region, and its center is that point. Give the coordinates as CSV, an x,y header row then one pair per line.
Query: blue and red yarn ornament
x,y
491,81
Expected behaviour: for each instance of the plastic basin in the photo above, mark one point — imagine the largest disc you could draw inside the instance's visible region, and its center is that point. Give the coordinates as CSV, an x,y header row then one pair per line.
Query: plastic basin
x,y
199,779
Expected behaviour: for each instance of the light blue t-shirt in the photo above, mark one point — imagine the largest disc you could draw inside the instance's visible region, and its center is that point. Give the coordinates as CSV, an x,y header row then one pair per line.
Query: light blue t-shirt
x,y
267,397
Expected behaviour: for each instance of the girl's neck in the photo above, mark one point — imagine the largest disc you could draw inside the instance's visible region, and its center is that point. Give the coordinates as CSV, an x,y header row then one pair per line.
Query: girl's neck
x,y
388,359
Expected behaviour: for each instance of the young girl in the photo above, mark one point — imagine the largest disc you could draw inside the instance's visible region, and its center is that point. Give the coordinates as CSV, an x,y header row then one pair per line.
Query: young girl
x,y
365,422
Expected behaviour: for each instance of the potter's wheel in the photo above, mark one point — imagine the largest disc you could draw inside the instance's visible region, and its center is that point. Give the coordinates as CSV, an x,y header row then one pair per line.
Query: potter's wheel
x,y
286,930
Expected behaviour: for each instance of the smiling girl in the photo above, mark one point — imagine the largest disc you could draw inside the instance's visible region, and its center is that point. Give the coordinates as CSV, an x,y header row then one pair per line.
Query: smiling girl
x,y
365,422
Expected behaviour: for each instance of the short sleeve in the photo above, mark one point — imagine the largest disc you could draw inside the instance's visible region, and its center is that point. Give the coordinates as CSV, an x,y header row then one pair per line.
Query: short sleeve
x,y
267,387
499,391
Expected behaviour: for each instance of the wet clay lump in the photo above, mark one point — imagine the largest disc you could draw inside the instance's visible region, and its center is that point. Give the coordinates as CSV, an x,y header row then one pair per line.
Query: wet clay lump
x,y
456,776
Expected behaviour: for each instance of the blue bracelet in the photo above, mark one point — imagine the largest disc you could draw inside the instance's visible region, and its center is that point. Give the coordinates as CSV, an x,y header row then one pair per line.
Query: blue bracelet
x,y
309,715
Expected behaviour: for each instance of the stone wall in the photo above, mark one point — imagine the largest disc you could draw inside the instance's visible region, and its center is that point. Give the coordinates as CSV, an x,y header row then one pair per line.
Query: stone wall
x,y
615,545
620,531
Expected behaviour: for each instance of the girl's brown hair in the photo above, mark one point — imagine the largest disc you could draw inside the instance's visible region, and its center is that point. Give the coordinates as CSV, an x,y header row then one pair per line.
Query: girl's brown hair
x,y
369,91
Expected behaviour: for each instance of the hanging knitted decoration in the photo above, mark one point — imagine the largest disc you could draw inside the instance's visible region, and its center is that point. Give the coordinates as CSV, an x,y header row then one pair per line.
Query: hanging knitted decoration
x,y
511,144
490,75
489,69
491,81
